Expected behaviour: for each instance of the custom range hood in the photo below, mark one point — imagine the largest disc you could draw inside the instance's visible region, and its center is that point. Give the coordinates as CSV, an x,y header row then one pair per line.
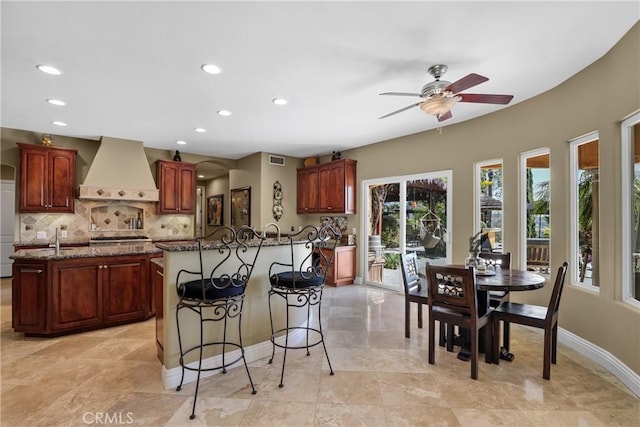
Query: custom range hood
x,y
120,171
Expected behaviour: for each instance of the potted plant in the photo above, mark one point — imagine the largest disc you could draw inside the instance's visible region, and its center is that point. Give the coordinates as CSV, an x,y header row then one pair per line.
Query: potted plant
x,y
474,249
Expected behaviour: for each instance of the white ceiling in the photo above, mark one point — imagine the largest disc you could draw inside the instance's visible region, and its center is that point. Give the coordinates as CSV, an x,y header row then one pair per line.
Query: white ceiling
x,y
132,69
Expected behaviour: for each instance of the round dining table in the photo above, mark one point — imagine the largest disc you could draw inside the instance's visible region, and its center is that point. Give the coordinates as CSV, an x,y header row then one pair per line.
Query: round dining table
x,y
505,280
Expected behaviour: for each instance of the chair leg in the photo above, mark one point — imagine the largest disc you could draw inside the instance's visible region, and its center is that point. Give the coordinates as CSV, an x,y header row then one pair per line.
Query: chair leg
x,y
286,345
195,396
253,388
488,343
322,337
546,368
495,340
180,347
554,343
432,345
443,334
474,353
419,315
450,337
407,318
505,335
273,338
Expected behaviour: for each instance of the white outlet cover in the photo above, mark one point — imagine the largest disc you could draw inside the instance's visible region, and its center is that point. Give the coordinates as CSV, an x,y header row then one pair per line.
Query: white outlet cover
x,y
41,235
63,234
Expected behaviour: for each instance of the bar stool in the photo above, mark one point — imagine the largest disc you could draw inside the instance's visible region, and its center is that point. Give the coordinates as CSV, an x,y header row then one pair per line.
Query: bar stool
x,y
218,297
299,282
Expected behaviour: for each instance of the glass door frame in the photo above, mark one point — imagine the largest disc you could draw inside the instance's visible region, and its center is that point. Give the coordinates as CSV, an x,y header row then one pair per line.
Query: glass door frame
x,y
365,217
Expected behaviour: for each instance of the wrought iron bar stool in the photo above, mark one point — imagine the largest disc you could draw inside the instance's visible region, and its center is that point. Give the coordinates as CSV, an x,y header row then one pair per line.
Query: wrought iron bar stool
x,y
218,297
299,282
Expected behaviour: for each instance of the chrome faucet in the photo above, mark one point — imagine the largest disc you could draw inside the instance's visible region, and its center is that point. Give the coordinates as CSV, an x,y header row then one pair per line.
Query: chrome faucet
x,y
56,244
264,233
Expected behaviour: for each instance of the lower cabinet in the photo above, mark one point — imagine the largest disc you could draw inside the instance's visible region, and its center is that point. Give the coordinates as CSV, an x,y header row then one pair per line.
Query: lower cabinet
x,y
343,270
63,296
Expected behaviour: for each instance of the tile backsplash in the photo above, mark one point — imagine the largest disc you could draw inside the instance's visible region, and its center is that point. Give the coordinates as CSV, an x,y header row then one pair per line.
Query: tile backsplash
x,y
110,218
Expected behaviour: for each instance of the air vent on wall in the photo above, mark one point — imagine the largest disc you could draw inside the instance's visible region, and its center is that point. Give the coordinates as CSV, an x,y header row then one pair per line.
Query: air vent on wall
x,y
276,160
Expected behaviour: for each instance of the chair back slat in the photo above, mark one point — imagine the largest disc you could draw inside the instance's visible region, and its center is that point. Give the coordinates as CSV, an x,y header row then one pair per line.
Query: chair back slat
x,y
497,260
554,302
410,275
453,287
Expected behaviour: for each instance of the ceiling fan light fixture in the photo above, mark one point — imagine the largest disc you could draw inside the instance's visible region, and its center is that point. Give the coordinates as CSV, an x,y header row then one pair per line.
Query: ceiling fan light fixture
x,y
438,105
211,69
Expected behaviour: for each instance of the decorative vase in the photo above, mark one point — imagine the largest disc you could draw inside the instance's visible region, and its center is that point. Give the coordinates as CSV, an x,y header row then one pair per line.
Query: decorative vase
x,y
176,157
471,260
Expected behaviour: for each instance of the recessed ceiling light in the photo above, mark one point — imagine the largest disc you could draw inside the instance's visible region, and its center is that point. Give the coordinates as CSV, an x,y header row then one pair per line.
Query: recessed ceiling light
x,y
211,69
49,69
225,113
181,142
200,176
56,102
279,101
59,123
200,130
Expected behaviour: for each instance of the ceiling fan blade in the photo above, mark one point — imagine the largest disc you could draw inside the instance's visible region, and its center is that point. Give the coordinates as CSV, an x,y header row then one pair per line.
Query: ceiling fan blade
x,y
401,94
445,116
466,82
485,98
402,109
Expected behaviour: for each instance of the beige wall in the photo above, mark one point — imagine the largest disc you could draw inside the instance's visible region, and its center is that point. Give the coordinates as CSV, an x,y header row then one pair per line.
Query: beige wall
x,y
597,98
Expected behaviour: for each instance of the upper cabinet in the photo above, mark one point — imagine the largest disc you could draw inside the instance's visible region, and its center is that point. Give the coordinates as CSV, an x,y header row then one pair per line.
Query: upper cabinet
x,y
47,179
328,188
177,182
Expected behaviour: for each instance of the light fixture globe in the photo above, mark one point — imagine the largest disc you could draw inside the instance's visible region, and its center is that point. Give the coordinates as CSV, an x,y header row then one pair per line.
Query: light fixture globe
x,y
439,104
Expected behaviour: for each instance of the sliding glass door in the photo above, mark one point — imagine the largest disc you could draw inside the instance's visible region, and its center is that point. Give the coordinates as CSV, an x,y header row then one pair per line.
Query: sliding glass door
x,y
406,214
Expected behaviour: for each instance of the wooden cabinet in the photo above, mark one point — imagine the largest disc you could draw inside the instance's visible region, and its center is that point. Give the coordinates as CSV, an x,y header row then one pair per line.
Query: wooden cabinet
x,y
307,190
343,269
177,183
47,179
157,283
55,297
328,188
28,296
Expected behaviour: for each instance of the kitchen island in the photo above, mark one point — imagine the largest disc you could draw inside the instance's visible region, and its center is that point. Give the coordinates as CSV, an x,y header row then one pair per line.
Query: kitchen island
x,y
256,329
81,288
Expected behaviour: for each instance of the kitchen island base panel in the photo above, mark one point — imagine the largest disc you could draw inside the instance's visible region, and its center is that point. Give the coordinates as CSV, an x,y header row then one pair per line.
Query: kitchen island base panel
x,y
256,329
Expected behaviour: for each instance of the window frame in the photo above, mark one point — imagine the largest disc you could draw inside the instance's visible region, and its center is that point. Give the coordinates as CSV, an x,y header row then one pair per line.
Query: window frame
x,y
627,176
573,209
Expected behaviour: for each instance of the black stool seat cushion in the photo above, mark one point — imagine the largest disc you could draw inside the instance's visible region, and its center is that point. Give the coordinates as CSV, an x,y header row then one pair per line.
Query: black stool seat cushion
x,y
193,289
288,279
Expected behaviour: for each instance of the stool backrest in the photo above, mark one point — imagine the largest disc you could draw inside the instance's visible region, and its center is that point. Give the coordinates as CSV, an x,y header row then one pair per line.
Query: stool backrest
x,y
497,260
315,262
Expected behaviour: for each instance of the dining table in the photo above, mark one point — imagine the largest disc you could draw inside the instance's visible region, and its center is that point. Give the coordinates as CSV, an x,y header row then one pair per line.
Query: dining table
x,y
504,280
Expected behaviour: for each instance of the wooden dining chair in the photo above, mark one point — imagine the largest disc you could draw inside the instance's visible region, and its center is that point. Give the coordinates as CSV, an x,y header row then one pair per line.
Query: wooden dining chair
x,y
415,292
536,316
453,300
503,262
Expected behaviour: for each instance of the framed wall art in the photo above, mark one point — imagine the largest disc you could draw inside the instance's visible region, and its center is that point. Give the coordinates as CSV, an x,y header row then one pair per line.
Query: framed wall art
x,y
215,209
240,207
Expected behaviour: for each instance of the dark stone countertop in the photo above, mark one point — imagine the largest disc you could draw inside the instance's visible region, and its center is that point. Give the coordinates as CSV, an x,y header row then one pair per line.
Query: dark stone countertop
x,y
86,251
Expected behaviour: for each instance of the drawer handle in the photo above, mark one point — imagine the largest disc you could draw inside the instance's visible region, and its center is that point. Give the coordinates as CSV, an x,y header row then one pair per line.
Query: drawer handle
x,y
121,193
100,192
160,273
30,270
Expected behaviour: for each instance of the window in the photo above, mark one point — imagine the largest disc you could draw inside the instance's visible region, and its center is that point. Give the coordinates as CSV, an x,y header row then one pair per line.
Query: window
x,y
585,211
488,204
631,210
535,221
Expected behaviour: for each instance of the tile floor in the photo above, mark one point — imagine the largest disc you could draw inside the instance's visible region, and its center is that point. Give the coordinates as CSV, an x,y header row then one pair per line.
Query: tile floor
x,y
112,377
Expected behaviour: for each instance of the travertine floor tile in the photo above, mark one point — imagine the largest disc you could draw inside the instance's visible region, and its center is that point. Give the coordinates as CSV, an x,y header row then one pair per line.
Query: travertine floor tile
x,y
381,379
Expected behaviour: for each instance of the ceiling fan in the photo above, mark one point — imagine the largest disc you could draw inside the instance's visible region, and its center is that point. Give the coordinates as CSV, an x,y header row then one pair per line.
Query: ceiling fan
x,y
439,96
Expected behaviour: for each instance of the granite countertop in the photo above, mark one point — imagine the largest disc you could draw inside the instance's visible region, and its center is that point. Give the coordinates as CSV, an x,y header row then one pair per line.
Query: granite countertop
x,y
208,245
86,251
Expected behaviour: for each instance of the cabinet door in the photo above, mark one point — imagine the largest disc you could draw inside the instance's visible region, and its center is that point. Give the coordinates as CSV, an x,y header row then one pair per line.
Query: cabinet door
x,y
168,178
61,173
28,297
187,186
33,180
332,187
125,289
307,191
76,297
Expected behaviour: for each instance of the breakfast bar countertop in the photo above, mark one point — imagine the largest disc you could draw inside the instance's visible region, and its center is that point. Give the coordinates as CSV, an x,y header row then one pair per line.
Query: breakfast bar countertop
x,y
86,252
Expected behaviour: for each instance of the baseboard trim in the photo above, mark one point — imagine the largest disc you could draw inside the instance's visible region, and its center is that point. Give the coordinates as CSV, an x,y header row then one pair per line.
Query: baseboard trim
x,y
603,358
171,377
